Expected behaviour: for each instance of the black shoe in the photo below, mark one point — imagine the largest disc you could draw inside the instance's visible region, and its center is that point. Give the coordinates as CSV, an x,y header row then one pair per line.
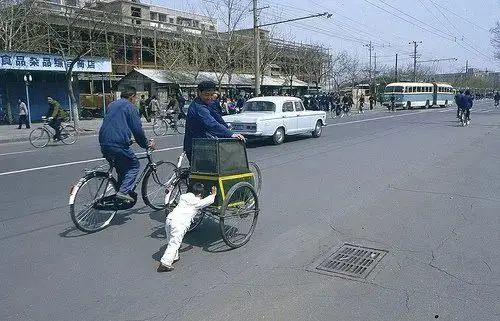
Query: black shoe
x,y
164,268
124,197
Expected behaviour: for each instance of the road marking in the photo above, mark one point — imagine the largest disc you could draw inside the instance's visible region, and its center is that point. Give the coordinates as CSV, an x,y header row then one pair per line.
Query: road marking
x,y
376,118
14,153
179,147
72,163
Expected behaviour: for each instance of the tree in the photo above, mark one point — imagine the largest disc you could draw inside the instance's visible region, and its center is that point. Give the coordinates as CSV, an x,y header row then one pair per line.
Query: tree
x,y
76,33
495,40
227,45
16,31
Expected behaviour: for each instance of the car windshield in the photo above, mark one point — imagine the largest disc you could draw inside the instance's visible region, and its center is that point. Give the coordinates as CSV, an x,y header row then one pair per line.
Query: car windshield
x,y
394,89
256,106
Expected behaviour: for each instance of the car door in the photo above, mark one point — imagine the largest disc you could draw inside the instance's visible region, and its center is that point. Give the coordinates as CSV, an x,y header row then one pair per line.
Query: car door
x,y
303,119
290,119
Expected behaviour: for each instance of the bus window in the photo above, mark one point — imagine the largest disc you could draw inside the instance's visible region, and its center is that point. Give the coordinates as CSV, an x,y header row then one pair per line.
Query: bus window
x,y
429,89
419,89
410,89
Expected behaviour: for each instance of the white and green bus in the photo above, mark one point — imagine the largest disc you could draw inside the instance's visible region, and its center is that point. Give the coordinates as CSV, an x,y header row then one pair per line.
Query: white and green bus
x,y
410,95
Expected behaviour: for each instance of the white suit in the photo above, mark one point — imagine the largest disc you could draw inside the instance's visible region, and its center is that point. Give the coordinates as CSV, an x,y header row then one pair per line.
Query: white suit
x,y
178,222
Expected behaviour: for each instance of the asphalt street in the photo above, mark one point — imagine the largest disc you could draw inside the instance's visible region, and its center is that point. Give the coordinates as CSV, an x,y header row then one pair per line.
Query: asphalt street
x,y
412,183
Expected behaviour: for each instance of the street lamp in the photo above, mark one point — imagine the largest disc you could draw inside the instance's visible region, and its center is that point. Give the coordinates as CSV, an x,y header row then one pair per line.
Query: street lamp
x,y
27,79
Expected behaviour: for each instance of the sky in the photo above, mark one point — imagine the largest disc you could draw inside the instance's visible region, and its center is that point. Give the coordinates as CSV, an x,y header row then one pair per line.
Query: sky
x,y
446,28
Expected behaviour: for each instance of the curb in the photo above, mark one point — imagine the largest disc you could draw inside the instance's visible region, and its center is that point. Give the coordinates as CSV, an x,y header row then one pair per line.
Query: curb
x,y
83,132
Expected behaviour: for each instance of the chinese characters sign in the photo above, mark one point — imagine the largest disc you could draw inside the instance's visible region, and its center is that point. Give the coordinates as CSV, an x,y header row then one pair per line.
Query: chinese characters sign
x,y
42,62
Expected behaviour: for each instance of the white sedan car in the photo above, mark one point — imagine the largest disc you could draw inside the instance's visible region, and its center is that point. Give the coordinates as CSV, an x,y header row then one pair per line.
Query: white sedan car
x,y
276,117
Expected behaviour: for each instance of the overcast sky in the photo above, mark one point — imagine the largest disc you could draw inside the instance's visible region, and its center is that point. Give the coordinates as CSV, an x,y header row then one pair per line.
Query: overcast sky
x,y
448,29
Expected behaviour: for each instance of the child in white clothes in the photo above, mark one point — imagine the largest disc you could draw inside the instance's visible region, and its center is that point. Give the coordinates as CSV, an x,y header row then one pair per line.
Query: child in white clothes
x,y
179,220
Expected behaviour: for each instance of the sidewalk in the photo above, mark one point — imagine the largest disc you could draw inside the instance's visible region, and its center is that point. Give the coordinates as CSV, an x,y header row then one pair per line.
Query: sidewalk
x,y
10,133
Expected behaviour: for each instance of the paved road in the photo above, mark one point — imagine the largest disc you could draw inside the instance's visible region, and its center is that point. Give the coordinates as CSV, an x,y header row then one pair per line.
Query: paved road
x,y
412,183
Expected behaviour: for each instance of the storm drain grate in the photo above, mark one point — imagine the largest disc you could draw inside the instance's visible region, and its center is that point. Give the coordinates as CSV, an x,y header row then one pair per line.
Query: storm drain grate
x,y
351,260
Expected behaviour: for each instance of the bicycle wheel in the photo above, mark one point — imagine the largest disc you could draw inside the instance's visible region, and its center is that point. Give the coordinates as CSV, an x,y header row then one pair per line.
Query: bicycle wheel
x,y
88,199
155,182
159,127
69,135
239,214
180,126
255,169
86,114
39,137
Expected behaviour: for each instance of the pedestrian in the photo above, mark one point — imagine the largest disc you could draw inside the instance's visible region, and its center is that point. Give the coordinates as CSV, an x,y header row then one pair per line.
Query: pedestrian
x,y
458,101
372,100
143,108
23,114
154,107
179,220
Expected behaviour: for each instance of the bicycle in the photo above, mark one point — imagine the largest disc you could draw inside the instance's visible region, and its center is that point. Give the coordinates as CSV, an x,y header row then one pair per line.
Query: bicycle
x,y
41,136
96,213
178,184
463,117
169,125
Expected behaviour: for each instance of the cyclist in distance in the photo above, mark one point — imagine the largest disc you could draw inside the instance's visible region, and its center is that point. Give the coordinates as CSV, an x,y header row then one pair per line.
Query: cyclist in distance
x,y
203,121
122,119
497,98
57,114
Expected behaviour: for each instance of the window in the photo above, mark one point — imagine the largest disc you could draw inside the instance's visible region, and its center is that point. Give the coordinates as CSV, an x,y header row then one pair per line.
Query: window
x,y
162,17
410,89
153,16
136,12
257,106
287,106
212,28
171,20
299,106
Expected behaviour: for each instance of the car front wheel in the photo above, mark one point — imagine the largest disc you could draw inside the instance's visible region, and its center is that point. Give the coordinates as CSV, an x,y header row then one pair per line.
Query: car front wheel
x,y
279,136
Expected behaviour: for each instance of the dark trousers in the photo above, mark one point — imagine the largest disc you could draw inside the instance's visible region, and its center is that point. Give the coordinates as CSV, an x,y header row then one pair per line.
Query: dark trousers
x,y
23,119
126,165
56,124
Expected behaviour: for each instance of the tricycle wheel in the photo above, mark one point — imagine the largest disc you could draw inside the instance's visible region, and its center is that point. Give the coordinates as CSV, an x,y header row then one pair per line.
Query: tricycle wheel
x,y
238,215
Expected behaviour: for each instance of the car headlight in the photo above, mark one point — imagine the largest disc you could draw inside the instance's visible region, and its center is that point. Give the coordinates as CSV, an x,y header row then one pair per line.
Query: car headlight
x,y
230,125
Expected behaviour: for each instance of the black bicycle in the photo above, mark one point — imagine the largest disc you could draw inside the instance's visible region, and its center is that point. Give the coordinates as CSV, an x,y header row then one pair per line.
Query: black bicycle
x,y
169,124
93,202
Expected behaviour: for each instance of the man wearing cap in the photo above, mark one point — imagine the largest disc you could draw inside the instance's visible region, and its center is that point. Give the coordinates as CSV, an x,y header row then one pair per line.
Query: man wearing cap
x,y
204,122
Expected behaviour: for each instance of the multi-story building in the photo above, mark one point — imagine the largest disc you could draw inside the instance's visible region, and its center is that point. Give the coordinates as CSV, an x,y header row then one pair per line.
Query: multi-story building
x,y
135,34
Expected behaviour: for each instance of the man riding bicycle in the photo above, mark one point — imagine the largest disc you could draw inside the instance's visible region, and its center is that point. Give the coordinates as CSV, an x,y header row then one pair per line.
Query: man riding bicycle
x,y
57,115
203,121
466,103
120,120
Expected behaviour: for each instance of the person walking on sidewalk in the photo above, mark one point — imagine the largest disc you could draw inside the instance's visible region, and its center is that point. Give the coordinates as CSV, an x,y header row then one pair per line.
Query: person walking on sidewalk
x,y
23,114
372,101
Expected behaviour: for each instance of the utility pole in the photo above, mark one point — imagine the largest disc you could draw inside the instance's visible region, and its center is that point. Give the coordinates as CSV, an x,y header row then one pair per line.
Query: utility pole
x,y
256,40
415,45
396,70
370,48
466,73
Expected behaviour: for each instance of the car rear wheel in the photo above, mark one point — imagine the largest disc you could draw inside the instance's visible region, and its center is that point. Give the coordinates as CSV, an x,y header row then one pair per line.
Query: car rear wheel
x,y
317,130
279,136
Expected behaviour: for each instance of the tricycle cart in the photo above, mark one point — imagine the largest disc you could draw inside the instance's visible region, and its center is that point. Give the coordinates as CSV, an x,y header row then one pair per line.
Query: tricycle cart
x,y
222,163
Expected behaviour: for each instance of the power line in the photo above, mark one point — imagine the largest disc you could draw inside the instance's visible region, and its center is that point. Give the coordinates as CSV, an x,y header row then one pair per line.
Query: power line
x,y
448,9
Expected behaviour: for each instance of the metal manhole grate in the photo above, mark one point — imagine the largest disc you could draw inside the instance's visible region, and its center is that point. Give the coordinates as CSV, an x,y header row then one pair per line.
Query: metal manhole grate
x,y
351,260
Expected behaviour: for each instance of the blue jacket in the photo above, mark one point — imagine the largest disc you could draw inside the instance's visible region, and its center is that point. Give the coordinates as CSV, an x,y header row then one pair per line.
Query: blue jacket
x,y
466,101
202,122
121,119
